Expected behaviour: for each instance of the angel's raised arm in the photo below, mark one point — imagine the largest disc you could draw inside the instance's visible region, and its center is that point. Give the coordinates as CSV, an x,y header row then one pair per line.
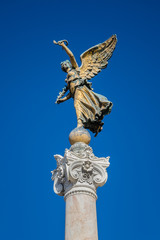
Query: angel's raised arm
x,y
68,51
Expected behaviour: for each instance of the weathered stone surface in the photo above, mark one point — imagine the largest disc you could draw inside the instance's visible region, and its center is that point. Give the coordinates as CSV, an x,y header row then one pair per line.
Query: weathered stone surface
x,y
81,218
79,171
77,177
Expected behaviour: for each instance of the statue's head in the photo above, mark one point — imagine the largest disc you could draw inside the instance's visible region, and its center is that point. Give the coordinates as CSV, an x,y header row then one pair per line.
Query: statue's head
x,y
66,65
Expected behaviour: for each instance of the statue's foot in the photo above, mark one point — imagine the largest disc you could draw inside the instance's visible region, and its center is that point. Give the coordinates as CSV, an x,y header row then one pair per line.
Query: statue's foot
x,y
79,134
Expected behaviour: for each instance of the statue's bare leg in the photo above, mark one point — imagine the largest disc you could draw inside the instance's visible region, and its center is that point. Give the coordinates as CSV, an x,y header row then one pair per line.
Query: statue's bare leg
x,y
78,113
79,123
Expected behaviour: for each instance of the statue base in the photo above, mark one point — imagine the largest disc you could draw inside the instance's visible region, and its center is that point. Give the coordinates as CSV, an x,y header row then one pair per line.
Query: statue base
x,y
79,134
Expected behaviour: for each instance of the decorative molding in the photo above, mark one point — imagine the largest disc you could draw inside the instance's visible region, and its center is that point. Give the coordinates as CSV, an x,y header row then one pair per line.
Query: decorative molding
x,y
79,171
80,191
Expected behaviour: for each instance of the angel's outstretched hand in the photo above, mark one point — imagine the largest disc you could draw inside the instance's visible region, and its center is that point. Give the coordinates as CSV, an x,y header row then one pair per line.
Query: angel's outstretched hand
x,y
61,43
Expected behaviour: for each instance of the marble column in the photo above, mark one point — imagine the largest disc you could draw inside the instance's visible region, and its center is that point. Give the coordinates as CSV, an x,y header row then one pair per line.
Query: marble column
x,y
81,218
77,177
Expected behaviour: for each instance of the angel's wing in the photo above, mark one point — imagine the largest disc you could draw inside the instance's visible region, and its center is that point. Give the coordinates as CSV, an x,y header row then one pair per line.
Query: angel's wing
x,y
96,58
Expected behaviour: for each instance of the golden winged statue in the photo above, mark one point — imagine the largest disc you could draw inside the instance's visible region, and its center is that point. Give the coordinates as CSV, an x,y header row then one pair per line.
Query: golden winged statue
x,y
90,106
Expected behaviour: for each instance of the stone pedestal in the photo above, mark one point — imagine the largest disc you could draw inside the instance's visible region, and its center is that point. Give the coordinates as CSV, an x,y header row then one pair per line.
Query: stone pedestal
x,y
77,177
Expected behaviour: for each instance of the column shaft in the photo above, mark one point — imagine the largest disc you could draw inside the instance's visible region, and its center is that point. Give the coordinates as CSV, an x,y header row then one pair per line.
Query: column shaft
x,y
81,218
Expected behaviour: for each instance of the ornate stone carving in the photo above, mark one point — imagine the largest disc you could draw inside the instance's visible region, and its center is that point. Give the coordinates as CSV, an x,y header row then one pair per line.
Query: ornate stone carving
x,y
79,171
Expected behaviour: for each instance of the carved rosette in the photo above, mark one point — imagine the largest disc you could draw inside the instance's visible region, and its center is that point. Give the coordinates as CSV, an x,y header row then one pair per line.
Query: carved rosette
x,y
79,171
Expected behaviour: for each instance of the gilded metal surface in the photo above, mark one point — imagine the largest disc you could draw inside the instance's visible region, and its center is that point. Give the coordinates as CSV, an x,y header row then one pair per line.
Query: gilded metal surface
x,y
90,106
79,134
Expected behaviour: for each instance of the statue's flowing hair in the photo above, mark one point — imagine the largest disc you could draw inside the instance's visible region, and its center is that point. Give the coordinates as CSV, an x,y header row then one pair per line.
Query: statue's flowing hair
x,y
66,62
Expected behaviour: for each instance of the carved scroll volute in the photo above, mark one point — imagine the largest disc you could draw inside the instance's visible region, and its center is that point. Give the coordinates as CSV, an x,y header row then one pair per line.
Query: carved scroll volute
x,y
100,175
79,170
74,171
58,187
58,176
87,171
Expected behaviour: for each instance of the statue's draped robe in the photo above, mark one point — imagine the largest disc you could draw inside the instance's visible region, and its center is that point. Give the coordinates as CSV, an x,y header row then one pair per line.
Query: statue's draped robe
x,y
91,108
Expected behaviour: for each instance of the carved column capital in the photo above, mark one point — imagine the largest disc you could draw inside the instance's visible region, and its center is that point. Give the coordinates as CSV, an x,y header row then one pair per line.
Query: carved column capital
x,y
79,171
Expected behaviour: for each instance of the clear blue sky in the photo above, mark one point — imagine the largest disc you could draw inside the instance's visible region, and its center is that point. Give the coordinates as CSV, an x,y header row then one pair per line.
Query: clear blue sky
x,y
33,128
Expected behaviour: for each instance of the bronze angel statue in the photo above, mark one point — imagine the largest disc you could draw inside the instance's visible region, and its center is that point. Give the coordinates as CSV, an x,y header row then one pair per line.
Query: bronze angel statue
x,y
90,107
